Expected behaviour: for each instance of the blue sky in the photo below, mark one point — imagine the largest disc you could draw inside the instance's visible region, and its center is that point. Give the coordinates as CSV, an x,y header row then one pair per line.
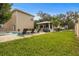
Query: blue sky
x,y
50,8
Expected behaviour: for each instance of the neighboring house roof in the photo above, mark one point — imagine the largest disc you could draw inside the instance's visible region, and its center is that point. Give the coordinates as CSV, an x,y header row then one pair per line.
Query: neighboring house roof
x,y
22,12
44,22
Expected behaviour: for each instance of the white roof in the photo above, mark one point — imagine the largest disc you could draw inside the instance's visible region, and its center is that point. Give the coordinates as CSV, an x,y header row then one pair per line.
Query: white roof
x,y
44,22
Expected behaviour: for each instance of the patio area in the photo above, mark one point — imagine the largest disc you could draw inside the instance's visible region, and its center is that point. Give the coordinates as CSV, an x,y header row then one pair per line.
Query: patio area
x,y
45,25
10,37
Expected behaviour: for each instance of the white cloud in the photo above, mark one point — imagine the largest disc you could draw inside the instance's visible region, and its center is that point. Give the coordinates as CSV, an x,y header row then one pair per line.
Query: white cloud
x,y
36,18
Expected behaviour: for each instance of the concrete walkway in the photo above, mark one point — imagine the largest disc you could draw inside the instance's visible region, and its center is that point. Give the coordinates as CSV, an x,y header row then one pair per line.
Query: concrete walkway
x,y
14,37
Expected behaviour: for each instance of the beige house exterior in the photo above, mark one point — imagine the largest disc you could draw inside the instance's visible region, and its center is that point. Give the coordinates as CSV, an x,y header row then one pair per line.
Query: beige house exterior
x,y
20,20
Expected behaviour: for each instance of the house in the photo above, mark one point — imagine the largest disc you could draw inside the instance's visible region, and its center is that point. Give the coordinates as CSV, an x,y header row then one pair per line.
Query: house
x,y
19,21
45,25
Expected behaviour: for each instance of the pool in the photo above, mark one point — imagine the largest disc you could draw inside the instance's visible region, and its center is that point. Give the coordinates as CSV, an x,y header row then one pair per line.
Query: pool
x,y
8,33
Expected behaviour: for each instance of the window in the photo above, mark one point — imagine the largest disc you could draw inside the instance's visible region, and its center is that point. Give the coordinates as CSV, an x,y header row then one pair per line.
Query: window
x,y
14,27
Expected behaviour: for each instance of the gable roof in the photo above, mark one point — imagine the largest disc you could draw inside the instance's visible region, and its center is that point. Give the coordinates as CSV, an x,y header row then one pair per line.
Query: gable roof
x,y
22,12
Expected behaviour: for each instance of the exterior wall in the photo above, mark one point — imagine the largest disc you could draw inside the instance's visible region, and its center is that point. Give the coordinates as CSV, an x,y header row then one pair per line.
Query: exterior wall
x,y
20,21
24,21
77,28
8,26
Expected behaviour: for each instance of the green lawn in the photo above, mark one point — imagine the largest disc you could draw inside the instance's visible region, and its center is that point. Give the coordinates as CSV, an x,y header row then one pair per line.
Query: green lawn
x,y
50,44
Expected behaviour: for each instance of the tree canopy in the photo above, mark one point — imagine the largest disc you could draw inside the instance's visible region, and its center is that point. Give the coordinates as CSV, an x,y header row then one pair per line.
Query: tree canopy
x,y
5,12
44,16
68,19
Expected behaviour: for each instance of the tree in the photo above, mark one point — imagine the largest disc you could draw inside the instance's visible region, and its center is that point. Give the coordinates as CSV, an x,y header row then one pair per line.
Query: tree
x,y
44,16
55,21
67,20
35,24
76,16
5,12
71,25
71,19
62,18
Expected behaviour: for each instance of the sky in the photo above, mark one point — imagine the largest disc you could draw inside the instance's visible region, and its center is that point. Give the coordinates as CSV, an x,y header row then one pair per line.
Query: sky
x,y
50,8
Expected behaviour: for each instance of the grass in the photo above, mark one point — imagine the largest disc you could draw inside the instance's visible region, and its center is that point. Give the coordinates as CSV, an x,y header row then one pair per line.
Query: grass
x,y
50,44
